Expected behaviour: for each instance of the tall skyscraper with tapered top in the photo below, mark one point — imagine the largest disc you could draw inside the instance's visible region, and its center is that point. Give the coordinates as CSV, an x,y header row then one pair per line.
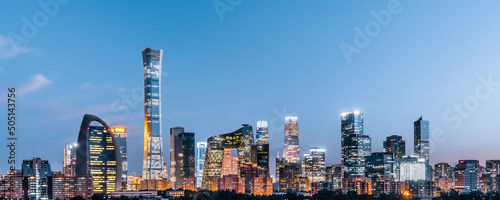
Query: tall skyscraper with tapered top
x,y
291,149
153,148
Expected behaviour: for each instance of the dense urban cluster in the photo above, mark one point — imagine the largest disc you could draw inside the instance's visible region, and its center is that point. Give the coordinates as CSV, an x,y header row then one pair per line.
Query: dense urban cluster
x,y
237,164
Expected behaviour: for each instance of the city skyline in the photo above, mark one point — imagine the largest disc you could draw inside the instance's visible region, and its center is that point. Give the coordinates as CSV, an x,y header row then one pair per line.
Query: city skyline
x,y
51,85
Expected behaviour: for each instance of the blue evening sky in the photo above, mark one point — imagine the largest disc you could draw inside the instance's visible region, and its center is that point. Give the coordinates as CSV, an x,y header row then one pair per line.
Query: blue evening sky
x,y
262,60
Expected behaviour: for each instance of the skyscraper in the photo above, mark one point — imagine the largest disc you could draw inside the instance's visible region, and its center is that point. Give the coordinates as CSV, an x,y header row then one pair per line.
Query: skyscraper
x,y
380,164
153,147
182,159
395,145
444,170
187,169
334,177
260,156
201,147
467,175
412,168
241,140
175,156
37,179
121,138
280,163
356,149
69,160
421,143
261,133
315,164
291,149
355,146
98,155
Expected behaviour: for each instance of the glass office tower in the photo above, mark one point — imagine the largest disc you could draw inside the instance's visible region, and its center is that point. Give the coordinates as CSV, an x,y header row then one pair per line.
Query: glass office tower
x,y
175,156
201,148
421,143
355,146
187,169
261,133
153,148
315,164
396,145
102,161
121,138
98,155
291,149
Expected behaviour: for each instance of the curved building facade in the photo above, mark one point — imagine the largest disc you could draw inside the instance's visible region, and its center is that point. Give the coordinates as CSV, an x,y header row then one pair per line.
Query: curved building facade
x,y
241,140
98,155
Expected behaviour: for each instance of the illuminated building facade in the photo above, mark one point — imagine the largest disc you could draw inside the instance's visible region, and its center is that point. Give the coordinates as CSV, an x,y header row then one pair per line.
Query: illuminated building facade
x,y
249,174
468,171
444,170
315,165
260,156
37,179
121,137
492,171
241,140
229,182
380,164
396,145
359,185
11,187
187,170
98,155
69,160
280,163
421,144
354,145
65,186
262,185
356,149
153,146
176,160
133,183
412,169
384,185
229,163
182,159
334,177
261,133
201,148
164,184
291,144
289,178
304,185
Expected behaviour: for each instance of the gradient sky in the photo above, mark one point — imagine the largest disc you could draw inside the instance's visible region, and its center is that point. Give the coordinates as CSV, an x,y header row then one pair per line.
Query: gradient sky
x,y
263,61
